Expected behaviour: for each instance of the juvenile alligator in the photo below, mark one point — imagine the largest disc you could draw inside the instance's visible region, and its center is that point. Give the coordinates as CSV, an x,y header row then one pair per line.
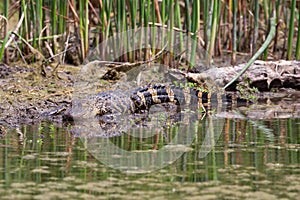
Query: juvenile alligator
x,y
109,107
142,98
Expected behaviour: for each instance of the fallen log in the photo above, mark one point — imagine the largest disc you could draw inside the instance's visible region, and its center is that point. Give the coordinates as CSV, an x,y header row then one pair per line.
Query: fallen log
x,y
264,75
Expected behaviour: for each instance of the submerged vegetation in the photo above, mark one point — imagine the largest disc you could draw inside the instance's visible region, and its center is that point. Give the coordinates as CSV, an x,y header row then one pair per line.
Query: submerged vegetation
x,y
66,31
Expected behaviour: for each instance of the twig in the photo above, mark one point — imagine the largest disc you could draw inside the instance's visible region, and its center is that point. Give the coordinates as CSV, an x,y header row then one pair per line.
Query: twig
x,y
41,34
49,49
53,56
237,52
179,30
33,50
119,66
16,30
66,48
146,61
19,50
59,94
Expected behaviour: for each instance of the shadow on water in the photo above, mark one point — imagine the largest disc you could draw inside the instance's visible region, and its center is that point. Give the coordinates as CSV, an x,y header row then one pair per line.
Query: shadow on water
x,y
249,159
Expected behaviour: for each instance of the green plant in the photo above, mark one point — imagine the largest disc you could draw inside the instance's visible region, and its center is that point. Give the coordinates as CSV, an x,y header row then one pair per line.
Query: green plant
x,y
246,91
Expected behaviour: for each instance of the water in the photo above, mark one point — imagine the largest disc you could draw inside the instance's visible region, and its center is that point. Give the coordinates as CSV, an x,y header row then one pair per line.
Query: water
x,y
251,159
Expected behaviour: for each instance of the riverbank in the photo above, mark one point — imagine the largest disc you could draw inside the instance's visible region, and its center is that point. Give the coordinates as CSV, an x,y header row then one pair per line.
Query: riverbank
x,y
33,93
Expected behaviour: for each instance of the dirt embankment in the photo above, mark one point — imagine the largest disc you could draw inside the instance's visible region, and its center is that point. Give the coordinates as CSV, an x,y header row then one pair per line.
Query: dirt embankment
x,y
29,94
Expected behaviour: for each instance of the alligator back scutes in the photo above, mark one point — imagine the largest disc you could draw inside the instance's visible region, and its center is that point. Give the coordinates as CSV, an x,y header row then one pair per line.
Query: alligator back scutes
x,y
117,111
145,97
140,99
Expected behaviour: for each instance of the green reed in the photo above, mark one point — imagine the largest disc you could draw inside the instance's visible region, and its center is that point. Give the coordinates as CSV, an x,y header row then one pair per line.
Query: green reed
x,y
5,11
53,6
83,27
154,19
298,37
268,7
177,20
259,52
213,25
235,26
62,16
4,32
194,29
291,30
39,18
105,20
4,41
171,22
256,26
25,23
133,16
234,30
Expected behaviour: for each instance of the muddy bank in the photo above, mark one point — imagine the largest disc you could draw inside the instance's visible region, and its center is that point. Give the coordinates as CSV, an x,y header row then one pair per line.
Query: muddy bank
x,y
32,93
29,92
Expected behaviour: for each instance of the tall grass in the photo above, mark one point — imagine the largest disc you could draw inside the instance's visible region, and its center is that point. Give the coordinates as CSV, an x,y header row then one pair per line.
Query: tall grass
x,y
256,26
194,28
298,37
214,23
4,30
75,27
234,11
291,30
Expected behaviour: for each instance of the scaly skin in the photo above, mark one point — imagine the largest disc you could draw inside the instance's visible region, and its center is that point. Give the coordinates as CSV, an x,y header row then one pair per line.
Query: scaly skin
x,y
107,110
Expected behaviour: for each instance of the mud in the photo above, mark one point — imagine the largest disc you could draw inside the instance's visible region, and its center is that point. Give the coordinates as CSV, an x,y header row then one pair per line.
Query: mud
x,y
29,94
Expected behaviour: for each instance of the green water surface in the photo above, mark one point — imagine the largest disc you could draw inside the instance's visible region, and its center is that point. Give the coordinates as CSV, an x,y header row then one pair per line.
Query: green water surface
x,y
250,160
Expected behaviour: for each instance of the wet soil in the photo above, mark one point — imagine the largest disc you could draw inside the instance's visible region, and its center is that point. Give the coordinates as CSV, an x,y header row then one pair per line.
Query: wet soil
x,y
29,94
33,93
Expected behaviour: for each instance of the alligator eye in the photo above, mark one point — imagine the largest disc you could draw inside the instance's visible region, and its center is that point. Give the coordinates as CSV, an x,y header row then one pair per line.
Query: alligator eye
x,y
103,110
